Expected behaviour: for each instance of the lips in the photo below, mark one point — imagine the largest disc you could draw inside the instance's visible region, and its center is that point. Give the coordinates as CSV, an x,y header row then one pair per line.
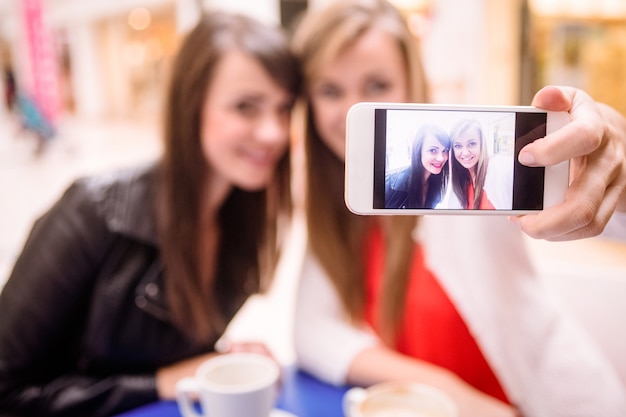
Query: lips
x,y
467,161
254,168
259,157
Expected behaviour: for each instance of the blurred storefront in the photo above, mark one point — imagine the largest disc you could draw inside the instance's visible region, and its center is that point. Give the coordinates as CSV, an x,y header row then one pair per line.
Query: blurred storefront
x,y
503,52
580,43
112,55
112,65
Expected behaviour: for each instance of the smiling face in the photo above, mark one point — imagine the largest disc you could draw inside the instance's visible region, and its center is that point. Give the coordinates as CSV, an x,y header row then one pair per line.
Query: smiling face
x,y
245,123
434,154
467,147
372,68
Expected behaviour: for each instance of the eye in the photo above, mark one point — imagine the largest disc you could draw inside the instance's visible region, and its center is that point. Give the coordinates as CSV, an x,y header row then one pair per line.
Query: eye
x,y
286,105
246,108
472,144
328,91
286,108
374,88
457,147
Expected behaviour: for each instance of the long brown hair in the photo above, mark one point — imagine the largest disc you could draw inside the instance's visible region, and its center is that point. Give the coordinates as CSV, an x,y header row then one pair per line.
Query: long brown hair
x,y
337,236
248,221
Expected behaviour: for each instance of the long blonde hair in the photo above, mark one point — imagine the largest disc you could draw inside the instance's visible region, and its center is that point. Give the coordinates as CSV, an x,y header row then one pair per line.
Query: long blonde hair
x,y
337,236
461,176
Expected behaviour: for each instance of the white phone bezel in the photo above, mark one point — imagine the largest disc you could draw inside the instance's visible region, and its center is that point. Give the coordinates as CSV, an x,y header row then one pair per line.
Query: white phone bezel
x,y
359,164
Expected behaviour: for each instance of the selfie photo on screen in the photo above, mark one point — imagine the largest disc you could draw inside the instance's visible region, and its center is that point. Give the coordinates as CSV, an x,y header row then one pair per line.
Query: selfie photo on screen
x,y
447,160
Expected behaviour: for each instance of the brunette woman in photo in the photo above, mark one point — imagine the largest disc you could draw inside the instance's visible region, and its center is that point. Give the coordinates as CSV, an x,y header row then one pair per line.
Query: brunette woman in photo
x,y
423,183
125,285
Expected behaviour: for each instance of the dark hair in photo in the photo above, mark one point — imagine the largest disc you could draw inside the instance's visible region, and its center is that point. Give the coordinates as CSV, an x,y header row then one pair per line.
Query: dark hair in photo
x,y
435,184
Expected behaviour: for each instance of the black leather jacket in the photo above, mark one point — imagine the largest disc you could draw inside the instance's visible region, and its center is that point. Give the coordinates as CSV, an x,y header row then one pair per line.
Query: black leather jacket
x,y
397,189
83,327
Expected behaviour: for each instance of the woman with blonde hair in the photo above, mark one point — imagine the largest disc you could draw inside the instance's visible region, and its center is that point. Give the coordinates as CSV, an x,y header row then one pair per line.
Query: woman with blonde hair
x,y
469,165
448,301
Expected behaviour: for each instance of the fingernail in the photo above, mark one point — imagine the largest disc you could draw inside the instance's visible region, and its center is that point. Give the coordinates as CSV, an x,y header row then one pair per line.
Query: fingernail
x,y
526,158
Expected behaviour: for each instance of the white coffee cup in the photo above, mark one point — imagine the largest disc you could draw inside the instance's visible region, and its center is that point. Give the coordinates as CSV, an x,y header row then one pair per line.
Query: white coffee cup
x,y
398,399
231,385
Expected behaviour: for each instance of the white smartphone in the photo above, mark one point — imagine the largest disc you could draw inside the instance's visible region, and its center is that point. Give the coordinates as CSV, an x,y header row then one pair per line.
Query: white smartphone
x,y
440,159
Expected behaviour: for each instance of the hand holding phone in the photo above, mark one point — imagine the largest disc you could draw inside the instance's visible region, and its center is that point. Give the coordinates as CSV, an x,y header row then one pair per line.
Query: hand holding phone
x,y
437,159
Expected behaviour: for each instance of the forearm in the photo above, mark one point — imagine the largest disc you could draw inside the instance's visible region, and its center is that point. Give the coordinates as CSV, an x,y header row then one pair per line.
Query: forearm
x,y
167,377
391,365
321,326
380,364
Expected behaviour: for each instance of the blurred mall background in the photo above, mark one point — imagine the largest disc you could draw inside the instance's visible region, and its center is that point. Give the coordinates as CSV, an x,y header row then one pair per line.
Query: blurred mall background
x,y
97,68
108,58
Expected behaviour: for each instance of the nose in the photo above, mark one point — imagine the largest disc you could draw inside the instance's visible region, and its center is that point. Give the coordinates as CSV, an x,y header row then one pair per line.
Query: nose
x,y
349,100
273,129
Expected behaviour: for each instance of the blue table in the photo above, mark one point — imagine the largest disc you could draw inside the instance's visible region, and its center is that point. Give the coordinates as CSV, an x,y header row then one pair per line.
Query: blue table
x,y
301,394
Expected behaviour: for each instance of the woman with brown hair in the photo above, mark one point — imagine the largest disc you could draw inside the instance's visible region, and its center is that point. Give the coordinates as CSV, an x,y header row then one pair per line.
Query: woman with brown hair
x,y
126,284
423,183
449,301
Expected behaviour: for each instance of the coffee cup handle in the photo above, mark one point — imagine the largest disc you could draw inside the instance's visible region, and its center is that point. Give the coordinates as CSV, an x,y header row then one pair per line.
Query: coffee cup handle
x,y
351,398
186,390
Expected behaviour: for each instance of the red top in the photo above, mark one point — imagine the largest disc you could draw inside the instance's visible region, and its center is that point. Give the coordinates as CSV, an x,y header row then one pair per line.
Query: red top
x,y
432,329
485,204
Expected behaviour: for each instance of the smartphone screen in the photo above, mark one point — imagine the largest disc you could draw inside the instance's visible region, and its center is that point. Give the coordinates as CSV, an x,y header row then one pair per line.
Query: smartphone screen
x,y
456,160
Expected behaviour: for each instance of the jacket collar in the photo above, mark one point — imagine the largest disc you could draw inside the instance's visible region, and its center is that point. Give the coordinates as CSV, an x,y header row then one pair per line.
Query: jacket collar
x,y
400,180
130,210
131,206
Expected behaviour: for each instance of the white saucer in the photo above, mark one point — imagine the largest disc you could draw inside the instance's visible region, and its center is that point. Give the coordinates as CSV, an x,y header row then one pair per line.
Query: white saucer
x,y
281,413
